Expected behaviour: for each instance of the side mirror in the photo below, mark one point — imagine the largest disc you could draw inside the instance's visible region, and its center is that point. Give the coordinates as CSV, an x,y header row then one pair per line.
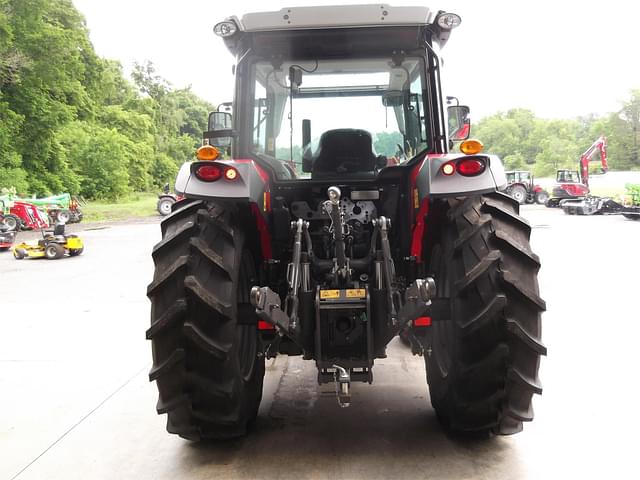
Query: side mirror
x,y
459,122
219,121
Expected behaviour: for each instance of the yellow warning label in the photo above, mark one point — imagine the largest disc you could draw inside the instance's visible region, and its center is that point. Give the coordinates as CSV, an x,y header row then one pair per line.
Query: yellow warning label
x,y
356,293
324,294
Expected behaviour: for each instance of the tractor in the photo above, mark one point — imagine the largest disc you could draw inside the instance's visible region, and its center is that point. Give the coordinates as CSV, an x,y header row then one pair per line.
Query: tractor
x,y
521,187
7,237
297,237
166,200
60,208
19,215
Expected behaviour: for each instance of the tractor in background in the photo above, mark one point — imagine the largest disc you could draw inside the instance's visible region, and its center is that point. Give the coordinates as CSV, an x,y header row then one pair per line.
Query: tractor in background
x,y
521,187
7,237
60,208
17,215
166,200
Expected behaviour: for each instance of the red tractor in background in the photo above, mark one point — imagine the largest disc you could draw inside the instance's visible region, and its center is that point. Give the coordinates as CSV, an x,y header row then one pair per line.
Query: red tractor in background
x,y
520,186
16,215
571,184
166,200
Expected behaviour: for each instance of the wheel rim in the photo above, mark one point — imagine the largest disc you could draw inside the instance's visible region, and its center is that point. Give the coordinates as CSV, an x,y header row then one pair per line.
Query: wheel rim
x,y
518,195
165,207
50,252
64,216
10,223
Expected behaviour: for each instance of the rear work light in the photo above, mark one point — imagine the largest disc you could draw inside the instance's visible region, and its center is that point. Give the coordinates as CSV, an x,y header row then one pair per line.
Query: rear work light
x,y
470,167
449,168
225,29
231,173
208,173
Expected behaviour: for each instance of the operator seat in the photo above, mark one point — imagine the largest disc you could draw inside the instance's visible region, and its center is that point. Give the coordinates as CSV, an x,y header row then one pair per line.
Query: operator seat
x,y
344,152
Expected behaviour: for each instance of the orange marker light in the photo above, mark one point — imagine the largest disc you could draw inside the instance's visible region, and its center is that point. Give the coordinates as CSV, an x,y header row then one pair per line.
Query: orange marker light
x,y
207,152
471,147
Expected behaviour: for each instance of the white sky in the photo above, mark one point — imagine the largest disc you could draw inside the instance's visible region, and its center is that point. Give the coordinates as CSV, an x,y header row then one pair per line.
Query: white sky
x,y
559,59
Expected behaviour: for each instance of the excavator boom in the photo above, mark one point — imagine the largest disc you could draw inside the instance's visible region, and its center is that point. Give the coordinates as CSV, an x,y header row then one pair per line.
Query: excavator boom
x,y
600,145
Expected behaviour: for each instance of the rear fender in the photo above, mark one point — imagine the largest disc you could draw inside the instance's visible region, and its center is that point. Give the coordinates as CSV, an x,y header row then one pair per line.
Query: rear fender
x,y
430,181
251,185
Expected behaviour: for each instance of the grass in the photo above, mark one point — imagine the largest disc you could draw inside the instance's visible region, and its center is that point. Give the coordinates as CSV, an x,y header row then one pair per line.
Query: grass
x,y
611,192
133,206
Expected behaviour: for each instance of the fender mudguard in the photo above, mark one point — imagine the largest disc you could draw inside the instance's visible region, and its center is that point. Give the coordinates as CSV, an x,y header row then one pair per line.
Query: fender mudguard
x,y
251,183
430,181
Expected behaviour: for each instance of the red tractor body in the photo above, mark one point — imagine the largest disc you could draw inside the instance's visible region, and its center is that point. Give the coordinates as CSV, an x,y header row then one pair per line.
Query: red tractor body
x,y
29,215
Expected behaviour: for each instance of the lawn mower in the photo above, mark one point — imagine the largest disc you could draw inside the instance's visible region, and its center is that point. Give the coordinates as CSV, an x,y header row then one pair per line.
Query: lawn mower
x,y
53,246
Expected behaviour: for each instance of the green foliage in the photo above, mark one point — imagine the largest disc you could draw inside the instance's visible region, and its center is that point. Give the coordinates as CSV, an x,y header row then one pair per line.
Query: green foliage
x,y
634,191
101,159
386,143
70,121
524,141
163,170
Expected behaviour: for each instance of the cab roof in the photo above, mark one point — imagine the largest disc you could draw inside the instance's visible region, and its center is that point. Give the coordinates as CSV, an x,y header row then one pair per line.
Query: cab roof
x,y
337,16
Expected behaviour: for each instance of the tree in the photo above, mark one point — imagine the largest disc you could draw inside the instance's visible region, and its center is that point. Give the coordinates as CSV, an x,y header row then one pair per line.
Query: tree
x,y
386,143
100,158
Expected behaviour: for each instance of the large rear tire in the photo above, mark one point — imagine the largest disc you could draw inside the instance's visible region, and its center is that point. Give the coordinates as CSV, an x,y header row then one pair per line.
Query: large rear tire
x,y
483,366
206,363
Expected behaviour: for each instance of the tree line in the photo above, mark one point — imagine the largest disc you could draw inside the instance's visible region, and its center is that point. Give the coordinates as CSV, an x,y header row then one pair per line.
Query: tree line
x,y
525,142
71,122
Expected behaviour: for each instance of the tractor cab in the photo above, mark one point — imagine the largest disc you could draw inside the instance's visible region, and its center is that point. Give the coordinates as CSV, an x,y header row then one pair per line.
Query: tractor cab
x,y
306,90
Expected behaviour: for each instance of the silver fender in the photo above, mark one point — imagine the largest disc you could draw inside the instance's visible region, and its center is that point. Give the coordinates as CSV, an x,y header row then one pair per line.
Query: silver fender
x,y
249,185
430,180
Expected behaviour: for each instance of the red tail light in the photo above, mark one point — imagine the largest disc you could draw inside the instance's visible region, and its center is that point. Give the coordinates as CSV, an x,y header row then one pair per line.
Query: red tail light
x,y
262,325
422,322
208,173
470,167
